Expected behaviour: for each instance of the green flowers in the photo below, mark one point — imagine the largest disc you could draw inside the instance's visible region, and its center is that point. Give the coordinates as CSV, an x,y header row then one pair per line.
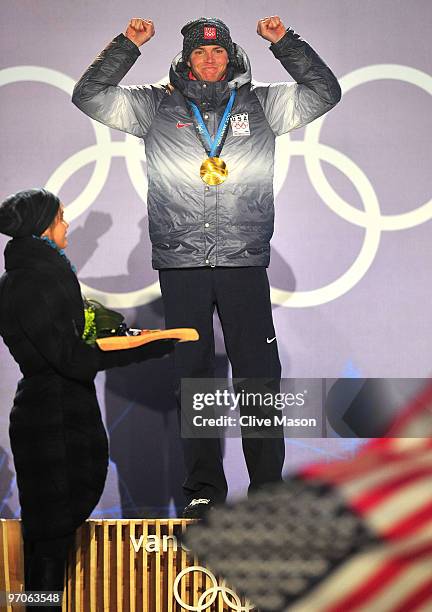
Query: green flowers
x,y
101,322
90,332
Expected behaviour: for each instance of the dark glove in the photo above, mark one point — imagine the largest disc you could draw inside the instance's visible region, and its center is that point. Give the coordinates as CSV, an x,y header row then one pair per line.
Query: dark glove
x,y
152,350
156,349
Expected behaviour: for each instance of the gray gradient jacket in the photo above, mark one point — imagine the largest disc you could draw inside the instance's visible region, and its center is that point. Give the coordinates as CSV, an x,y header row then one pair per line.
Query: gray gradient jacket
x,y
192,224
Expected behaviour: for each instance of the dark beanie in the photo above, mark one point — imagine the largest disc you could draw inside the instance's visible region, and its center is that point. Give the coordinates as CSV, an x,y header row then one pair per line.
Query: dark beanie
x,y
28,213
206,31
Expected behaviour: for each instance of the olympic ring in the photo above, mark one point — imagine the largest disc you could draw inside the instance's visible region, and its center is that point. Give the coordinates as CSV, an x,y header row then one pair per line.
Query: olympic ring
x,y
301,299
373,222
212,592
314,152
239,608
56,181
101,153
319,181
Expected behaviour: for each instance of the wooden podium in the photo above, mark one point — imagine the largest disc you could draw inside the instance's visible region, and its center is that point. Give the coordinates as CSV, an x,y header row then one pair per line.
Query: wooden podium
x,y
126,566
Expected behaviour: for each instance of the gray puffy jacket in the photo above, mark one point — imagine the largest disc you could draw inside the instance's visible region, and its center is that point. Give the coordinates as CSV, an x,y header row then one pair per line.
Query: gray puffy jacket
x,y
192,224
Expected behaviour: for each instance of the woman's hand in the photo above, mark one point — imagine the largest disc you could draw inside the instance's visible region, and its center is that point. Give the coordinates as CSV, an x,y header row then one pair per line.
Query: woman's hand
x,y
157,348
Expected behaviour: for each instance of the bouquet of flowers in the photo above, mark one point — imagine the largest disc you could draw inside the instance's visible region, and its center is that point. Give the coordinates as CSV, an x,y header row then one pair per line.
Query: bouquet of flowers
x,y
108,330
101,322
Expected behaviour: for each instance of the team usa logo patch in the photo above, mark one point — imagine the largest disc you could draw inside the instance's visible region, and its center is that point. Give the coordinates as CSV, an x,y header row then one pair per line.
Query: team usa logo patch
x,y
240,124
209,33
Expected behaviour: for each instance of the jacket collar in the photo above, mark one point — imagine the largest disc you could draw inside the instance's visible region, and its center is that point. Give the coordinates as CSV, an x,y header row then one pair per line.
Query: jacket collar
x,y
35,254
206,93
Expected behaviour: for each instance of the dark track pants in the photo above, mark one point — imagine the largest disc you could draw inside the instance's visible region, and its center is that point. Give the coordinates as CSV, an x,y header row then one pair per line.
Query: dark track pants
x,y
242,299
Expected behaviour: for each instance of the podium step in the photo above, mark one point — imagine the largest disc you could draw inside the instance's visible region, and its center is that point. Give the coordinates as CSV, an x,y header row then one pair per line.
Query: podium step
x,y
126,566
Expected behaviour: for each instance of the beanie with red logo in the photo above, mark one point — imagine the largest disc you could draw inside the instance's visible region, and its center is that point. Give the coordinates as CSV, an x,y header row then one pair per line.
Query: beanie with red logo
x,y
206,31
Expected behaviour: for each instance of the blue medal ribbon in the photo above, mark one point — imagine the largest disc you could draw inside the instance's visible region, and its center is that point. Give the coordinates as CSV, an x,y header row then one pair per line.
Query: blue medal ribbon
x,y
214,146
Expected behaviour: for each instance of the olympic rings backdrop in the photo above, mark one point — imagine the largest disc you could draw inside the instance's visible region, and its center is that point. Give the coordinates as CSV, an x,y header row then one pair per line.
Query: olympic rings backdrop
x,y
351,254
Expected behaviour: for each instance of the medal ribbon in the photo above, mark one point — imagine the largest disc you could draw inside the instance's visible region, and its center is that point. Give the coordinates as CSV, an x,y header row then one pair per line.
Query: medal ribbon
x,y
213,147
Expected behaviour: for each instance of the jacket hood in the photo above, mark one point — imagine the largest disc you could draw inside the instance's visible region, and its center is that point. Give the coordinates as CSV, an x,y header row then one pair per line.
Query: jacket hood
x,y
237,76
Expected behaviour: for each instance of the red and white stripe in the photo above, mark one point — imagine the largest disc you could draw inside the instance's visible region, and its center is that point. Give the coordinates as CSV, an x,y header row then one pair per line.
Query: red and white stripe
x,y
389,485
390,577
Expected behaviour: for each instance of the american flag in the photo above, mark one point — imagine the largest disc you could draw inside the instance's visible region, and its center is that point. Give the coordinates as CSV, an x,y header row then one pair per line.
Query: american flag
x,y
347,536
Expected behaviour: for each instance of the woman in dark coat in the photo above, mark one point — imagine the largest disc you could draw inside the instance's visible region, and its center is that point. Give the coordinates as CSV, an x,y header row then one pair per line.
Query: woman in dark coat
x,y
58,440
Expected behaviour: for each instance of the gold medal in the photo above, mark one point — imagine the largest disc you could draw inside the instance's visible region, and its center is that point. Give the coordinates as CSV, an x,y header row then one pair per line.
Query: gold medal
x,y
213,171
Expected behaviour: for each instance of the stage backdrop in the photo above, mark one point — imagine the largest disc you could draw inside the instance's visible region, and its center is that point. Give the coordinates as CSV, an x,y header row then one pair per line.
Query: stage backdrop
x,y
350,266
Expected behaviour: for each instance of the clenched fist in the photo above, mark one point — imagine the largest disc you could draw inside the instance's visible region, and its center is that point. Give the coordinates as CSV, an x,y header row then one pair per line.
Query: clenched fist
x,y
271,28
139,31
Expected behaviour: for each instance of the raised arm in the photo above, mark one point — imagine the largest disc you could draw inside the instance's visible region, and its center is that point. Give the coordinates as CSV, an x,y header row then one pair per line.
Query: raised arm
x,y
292,105
99,95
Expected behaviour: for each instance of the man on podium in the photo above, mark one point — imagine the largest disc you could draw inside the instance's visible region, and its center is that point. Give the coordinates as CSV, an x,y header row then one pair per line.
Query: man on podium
x,y
211,221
